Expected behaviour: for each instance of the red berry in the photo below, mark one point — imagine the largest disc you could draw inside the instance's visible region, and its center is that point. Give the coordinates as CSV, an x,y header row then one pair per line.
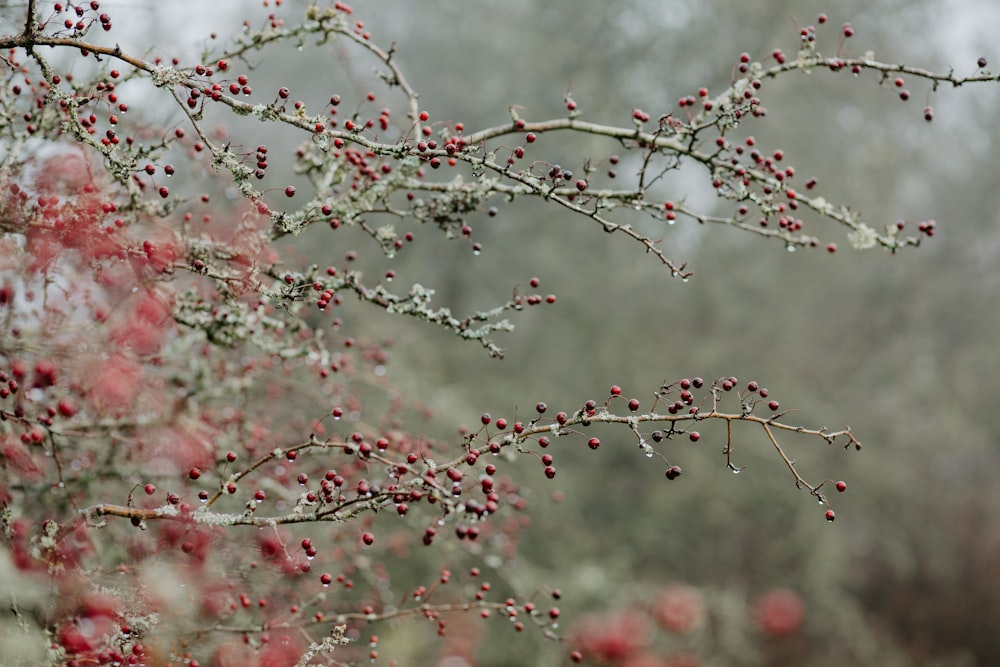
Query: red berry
x,y
633,404
66,407
290,191
594,443
616,390
694,436
673,472
368,539
830,515
773,405
540,407
486,418
841,486
550,472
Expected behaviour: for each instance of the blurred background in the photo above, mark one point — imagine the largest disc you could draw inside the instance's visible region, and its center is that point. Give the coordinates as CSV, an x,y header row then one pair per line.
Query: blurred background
x,y
901,348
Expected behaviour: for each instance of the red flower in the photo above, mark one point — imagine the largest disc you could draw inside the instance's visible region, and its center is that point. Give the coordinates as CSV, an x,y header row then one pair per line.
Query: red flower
x,y
780,612
680,608
613,637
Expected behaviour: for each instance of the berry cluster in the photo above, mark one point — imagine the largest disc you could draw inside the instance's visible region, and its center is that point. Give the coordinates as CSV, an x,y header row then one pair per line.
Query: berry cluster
x,y
171,374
